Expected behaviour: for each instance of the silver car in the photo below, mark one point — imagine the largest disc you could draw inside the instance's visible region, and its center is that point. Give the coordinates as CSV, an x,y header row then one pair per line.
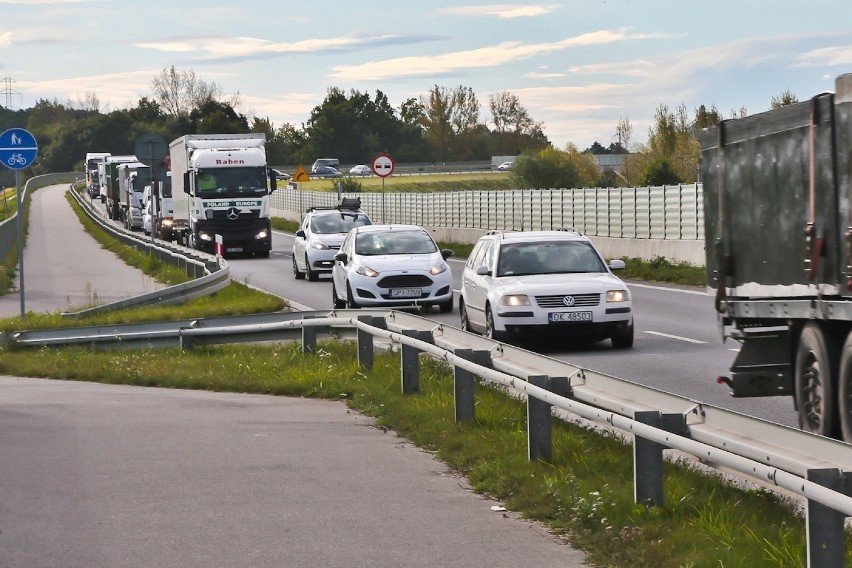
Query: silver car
x,y
320,235
391,265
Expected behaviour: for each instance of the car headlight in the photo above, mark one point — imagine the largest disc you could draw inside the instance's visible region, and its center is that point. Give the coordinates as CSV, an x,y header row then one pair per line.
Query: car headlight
x,y
438,269
515,300
366,271
617,296
319,245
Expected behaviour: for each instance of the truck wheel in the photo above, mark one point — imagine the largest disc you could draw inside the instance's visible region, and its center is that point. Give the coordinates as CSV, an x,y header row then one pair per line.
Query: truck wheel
x,y
844,390
816,364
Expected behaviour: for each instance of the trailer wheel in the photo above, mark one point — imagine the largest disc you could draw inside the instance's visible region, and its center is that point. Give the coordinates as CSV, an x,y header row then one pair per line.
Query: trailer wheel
x,y
816,362
844,390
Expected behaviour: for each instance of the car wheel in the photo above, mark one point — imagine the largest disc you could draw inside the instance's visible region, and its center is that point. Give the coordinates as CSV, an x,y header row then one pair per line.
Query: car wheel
x,y
350,299
296,273
312,276
446,307
623,337
336,302
465,322
490,332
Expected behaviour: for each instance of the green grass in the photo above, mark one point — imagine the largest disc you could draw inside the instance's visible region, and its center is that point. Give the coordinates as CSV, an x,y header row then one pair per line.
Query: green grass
x,y
417,183
585,495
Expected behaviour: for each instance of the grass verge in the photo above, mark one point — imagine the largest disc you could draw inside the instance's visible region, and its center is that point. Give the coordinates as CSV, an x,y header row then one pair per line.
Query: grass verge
x,y
585,495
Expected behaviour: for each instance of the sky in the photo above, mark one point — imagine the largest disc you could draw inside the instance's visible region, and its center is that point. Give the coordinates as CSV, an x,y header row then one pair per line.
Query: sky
x,y
578,68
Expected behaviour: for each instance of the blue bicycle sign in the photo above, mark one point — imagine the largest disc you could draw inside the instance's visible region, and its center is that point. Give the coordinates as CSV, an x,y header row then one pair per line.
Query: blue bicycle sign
x,y
18,148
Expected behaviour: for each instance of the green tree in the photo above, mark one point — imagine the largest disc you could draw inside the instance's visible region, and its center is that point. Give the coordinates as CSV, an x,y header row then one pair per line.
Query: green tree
x,y
514,130
215,117
546,169
785,98
660,172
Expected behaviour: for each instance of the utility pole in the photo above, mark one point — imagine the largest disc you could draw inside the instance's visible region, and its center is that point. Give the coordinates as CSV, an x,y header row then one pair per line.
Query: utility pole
x,y
9,93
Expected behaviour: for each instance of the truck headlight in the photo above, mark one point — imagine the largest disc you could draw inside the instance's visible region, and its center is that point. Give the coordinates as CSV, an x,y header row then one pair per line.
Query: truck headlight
x,y
262,234
204,236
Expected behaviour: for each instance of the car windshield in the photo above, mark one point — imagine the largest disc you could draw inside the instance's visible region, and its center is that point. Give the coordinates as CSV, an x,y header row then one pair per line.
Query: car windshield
x,y
395,242
560,257
231,182
333,223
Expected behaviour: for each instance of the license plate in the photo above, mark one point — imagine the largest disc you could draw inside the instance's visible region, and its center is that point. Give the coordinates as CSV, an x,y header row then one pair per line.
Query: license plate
x,y
556,317
406,293
234,249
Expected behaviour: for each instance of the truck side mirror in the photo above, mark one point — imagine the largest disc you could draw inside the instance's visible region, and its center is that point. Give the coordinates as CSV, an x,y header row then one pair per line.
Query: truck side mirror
x,y
273,180
186,182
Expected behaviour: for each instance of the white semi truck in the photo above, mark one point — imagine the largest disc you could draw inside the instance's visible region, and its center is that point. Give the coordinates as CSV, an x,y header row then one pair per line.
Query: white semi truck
x,y
132,179
93,159
227,185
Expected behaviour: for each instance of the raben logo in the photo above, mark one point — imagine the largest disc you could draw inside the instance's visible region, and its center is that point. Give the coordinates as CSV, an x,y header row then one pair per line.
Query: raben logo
x,y
229,162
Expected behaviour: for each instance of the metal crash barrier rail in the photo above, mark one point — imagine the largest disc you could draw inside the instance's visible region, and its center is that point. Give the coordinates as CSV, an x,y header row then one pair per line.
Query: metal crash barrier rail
x,y
811,466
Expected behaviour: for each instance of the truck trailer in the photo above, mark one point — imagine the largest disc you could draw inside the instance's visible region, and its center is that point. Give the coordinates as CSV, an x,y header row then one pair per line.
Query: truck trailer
x,y
227,185
132,179
93,160
110,188
778,237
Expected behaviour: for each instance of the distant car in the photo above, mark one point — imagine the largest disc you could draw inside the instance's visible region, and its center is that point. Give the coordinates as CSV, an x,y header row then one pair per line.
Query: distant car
x,y
332,162
280,175
505,166
327,171
519,284
361,170
320,234
391,265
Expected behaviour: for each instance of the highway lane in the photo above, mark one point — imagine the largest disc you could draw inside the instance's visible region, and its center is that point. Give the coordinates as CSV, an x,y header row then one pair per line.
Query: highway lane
x,y
678,346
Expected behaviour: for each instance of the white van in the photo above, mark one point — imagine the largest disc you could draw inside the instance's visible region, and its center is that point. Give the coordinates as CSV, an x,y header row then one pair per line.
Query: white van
x,y
330,162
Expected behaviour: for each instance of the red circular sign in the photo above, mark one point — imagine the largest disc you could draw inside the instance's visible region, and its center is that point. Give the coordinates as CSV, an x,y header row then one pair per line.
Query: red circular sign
x,y
383,165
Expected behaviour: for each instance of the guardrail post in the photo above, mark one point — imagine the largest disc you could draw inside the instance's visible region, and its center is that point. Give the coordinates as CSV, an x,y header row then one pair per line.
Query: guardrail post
x,y
825,526
648,457
309,339
463,382
410,364
539,423
365,344
187,342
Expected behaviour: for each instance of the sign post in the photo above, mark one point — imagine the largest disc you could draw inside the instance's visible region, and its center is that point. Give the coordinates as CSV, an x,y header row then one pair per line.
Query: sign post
x,y
18,150
383,167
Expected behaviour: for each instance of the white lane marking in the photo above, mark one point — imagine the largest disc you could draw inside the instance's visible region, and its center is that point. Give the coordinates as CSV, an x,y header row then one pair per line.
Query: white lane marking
x,y
679,338
667,289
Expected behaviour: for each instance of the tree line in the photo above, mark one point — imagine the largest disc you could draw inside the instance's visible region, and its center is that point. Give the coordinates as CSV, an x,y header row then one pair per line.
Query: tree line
x,y
445,125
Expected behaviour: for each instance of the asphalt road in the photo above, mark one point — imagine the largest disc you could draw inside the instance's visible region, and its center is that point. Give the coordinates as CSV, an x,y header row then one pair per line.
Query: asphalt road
x,y
113,476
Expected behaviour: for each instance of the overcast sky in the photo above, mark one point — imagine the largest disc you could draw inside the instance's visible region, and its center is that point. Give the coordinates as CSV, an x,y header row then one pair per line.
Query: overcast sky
x,y
577,67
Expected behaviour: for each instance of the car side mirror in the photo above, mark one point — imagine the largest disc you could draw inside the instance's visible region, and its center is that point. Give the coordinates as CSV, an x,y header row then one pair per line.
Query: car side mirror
x,y
446,253
483,271
341,257
300,233
616,264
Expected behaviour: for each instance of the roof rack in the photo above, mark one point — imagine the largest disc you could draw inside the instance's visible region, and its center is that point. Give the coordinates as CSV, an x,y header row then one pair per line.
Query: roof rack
x,y
348,203
570,230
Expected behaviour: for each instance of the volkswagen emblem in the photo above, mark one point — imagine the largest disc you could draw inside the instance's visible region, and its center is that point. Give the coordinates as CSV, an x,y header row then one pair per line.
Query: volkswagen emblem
x,y
568,301
233,213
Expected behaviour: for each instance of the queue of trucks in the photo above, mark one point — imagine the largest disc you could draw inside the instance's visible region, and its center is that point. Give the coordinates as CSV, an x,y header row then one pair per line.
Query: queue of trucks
x,y
210,189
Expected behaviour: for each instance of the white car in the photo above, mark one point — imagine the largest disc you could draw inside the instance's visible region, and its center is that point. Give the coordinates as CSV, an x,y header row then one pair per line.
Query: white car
x,y
523,285
505,166
320,235
391,265
361,170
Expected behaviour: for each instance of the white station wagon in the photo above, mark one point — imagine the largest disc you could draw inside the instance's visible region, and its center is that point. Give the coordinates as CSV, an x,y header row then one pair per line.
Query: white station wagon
x,y
518,285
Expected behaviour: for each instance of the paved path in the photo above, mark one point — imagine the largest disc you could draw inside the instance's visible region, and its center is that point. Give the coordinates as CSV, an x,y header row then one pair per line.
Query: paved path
x,y
114,476
64,267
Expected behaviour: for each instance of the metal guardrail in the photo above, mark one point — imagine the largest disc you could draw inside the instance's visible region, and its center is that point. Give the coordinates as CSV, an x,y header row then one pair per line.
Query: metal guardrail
x,y
210,273
816,468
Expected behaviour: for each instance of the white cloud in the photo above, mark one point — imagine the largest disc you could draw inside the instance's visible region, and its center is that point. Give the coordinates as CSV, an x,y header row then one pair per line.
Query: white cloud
x,y
840,55
503,11
490,56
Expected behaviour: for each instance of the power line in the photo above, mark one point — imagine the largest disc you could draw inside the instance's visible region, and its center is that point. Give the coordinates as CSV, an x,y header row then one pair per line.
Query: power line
x,y
9,93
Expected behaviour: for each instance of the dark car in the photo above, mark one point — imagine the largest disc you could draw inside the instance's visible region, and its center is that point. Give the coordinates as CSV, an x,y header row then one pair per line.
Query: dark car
x,y
327,171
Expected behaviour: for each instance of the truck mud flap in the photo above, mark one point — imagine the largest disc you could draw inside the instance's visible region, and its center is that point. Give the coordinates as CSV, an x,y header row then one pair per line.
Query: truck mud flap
x,y
762,367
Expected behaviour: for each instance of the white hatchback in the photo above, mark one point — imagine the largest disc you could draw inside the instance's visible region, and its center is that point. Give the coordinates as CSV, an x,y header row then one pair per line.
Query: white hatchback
x,y
523,285
391,265
320,235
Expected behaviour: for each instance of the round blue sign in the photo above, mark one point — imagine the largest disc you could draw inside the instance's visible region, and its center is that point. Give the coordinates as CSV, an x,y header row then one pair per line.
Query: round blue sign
x,y
18,148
